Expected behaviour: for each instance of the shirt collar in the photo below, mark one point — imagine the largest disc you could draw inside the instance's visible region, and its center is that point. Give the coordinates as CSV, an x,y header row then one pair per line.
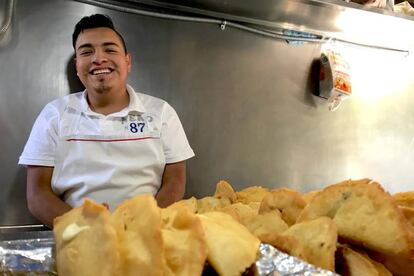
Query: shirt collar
x,y
135,104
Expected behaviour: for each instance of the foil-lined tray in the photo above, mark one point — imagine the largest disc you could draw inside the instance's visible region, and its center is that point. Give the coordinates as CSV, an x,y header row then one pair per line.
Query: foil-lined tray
x,y
27,253
272,262
32,253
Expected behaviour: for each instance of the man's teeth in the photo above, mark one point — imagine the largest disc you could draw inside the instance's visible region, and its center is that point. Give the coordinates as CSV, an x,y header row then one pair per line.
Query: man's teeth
x,y
101,71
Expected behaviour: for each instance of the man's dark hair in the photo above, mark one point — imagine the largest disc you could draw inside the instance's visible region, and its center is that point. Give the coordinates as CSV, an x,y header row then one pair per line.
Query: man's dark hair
x,y
95,21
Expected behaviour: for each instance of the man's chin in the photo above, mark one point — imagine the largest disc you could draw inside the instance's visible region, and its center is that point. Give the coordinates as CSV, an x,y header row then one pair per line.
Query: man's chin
x,y
101,87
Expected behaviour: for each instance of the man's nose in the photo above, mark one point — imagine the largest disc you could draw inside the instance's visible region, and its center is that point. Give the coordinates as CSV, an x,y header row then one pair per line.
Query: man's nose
x,y
99,57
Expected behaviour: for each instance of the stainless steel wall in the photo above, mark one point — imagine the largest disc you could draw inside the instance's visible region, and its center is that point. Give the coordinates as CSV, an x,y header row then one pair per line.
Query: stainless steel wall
x,y
245,102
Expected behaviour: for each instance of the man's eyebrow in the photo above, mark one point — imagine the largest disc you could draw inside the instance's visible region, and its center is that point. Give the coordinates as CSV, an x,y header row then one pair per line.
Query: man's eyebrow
x,y
86,45
110,44
89,45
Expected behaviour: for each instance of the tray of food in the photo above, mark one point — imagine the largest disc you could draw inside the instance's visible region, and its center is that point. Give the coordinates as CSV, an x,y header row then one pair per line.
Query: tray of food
x,y
349,228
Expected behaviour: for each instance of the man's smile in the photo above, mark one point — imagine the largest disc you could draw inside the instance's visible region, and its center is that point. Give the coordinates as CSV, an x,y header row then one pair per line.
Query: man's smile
x,y
101,71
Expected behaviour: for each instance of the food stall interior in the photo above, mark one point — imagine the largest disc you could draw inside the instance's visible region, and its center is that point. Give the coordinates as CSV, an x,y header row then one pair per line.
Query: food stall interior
x,y
242,77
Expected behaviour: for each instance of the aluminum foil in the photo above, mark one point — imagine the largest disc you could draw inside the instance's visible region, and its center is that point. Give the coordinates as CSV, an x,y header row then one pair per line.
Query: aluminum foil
x,y
32,253
28,253
273,262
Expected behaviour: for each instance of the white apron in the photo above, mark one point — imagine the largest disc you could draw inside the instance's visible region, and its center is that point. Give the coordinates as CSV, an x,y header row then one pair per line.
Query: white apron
x,y
107,160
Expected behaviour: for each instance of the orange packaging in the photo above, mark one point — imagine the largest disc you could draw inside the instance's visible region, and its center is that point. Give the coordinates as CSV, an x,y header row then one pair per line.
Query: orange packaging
x,y
334,79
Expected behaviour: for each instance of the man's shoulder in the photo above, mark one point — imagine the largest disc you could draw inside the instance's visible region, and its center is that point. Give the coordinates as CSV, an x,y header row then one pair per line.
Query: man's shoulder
x,y
152,102
65,100
61,103
149,98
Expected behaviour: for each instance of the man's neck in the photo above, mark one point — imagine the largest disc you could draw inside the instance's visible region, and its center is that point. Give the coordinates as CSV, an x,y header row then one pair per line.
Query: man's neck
x,y
108,102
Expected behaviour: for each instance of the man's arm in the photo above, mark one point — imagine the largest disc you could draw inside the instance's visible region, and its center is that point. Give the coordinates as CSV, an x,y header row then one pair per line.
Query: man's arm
x,y
173,184
41,201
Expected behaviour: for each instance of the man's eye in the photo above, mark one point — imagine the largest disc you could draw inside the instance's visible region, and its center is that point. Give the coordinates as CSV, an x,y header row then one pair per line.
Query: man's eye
x,y
84,53
111,51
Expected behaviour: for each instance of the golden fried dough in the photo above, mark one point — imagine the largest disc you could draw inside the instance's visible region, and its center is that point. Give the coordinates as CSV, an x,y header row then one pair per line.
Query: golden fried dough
x,y
267,223
225,191
224,231
405,199
231,247
190,204
255,206
142,247
307,197
257,224
382,270
365,215
185,244
239,211
210,203
251,194
319,237
86,242
408,214
352,263
397,265
285,243
313,241
289,202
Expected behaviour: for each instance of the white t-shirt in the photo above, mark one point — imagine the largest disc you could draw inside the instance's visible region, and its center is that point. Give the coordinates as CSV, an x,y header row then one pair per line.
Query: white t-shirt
x,y
108,158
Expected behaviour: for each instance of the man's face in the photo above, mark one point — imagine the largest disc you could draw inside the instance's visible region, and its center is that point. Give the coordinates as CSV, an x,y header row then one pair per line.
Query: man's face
x,y
101,61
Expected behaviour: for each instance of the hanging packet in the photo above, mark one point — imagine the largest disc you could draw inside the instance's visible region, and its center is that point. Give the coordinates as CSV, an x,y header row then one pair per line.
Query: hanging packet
x,y
334,78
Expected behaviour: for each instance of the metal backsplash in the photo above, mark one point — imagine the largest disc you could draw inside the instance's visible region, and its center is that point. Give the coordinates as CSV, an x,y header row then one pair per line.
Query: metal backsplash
x,y
329,18
245,102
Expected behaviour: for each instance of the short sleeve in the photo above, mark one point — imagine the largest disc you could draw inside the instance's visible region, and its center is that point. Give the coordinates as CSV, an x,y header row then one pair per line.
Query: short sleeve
x,y
41,145
175,143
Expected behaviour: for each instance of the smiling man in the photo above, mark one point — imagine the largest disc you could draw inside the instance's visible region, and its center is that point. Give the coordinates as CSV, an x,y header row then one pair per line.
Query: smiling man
x,y
108,142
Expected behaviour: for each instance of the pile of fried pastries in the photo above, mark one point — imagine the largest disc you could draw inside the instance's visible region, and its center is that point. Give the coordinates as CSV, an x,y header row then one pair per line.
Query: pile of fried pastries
x,y
352,228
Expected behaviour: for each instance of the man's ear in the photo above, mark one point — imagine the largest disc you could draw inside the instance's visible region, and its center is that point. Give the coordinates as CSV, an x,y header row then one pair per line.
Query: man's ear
x,y
128,58
76,67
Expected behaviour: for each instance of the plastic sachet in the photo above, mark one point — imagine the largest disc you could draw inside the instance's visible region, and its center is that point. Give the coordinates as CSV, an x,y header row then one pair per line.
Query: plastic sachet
x,y
334,78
